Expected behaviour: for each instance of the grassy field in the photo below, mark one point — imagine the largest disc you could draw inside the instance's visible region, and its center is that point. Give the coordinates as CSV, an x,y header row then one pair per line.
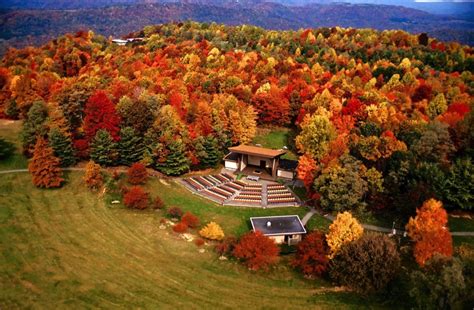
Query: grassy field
x,y
276,138
67,247
10,130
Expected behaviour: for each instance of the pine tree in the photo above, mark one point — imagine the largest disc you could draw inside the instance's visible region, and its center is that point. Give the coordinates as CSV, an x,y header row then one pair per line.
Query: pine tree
x,y
62,146
213,154
174,161
33,126
6,149
130,146
44,166
103,148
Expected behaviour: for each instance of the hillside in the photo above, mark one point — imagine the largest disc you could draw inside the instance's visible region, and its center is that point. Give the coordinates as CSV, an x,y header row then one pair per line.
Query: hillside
x,y
23,27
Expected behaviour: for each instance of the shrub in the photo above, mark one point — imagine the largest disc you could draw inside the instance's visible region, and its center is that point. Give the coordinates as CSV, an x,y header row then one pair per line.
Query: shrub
x,y
312,255
175,212
256,251
180,227
6,149
212,231
429,232
343,230
366,265
226,246
92,176
137,174
158,203
136,198
199,242
190,219
440,283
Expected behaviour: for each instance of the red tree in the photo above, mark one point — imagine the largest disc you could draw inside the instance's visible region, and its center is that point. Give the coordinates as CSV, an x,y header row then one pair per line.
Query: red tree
x,y
312,255
100,114
137,174
256,251
136,197
44,167
190,219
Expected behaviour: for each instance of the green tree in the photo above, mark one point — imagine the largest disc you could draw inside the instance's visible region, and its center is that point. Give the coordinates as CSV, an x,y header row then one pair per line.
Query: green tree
x,y
208,151
6,149
342,187
130,146
62,146
103,148
173,160
439,285
457,189
33,126
434,144
437,106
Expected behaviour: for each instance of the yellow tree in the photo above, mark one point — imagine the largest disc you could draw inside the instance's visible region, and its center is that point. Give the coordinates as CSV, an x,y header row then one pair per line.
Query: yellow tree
x,y
343,230
212,231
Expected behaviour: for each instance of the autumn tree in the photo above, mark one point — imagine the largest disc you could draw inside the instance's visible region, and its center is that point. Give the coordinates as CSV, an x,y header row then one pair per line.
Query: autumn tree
x,y
93,176
429,232
256,251
367,264
100,114
103,148
137,174
63,147
306,171
212,231
44,167
343,230
316,132
312,255
136,198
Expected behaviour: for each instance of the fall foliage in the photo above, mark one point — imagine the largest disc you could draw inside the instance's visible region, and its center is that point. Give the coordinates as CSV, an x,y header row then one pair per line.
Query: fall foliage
x,y
312,255
137,174
256,251
428,229
212,231
343,230
44,166
93,177
135,197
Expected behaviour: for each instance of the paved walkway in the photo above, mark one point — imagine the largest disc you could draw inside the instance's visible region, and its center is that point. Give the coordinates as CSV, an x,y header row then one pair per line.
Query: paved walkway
x,y
313,211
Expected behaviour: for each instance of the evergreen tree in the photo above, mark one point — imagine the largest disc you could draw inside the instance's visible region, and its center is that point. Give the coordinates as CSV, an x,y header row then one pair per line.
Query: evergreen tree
x,y
213,155
130,146
62,146
12,110
44,166
33,126
103,148
6,149
173,160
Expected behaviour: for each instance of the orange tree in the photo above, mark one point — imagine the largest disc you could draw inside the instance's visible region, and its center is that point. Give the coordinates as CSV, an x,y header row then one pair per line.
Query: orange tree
x,y
429,232
92,176
44,167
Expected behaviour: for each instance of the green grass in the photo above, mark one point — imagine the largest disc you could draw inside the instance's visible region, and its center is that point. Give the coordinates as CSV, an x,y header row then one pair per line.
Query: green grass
x,y
276,138
68,248
10,131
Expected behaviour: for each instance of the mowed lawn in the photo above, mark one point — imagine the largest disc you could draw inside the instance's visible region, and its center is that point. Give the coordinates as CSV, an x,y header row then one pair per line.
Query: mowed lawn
x,y
67,248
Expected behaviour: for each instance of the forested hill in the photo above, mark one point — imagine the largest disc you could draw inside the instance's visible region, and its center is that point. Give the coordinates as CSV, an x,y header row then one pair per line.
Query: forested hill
x,y
23,27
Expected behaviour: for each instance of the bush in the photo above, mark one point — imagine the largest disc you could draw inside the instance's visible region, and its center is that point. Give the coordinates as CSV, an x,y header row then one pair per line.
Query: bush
x,y
199,242
440,284
6,149
158,203
366,265
175,212
256,251
190,219
212,231
92,176
180,227
137,174
136,198
312,255
226,246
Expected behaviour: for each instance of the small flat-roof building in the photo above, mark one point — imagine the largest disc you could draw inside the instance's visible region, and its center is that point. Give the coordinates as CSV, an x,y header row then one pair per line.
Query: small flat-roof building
x,y
282,229
257,161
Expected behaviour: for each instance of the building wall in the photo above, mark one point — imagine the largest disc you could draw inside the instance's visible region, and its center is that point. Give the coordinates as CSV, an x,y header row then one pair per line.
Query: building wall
x,y
231,165
255,161
285,174
278,239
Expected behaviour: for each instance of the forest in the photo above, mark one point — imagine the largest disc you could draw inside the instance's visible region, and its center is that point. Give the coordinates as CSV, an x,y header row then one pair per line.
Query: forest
x,y
381,122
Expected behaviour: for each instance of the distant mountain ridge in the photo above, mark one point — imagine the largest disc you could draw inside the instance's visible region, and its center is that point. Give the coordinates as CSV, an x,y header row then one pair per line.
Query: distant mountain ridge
x,y
21,27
